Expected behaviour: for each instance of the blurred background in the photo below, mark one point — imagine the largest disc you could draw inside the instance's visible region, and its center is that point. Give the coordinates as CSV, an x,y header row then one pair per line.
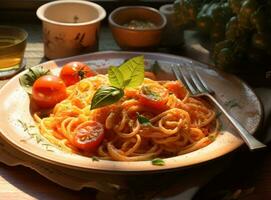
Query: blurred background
x,y
235,33
25,9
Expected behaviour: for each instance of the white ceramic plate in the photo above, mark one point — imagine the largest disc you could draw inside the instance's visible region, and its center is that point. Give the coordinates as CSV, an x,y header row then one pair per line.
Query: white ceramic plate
x,y
15,107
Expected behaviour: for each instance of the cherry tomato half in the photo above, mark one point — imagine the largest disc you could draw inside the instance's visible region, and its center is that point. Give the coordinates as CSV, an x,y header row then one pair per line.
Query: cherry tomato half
x,y
48,90
154,96
176,88
88,136
73,72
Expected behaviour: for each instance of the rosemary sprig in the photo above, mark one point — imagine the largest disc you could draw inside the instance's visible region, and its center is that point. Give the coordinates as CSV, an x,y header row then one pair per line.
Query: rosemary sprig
x,y
29,129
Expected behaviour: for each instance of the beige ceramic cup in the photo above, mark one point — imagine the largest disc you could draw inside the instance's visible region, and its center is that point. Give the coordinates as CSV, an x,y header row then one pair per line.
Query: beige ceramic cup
x,y
70,27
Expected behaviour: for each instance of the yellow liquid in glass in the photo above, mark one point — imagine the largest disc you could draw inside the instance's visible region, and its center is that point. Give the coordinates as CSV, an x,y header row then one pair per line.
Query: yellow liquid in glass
x,y
11,52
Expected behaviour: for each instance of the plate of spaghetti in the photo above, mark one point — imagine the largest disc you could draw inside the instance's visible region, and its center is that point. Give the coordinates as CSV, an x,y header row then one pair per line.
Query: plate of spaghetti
x,y
122,112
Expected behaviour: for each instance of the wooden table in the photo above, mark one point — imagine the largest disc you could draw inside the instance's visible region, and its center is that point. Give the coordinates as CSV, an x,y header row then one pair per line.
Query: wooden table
x,y
23,183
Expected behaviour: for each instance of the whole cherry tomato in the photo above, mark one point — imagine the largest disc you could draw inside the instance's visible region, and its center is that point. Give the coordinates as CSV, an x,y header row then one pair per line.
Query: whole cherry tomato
x,y
73,72
88,136
48,90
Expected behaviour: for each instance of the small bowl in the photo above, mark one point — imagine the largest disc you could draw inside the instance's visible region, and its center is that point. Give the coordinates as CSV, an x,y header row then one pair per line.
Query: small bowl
x,y
12,48
137,38
70,27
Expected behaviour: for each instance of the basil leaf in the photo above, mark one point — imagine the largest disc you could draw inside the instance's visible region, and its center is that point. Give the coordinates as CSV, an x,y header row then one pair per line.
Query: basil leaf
x,y
106,95
158,161
27,80
115,77
133,72
143,120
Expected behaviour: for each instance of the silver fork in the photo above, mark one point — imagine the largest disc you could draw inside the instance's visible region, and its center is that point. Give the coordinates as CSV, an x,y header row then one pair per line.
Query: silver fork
x,y
198,87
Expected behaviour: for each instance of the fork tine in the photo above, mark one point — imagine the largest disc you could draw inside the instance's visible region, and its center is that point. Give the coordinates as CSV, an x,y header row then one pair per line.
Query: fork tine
x,y
196,80
177,73
187,82
203,82
174,69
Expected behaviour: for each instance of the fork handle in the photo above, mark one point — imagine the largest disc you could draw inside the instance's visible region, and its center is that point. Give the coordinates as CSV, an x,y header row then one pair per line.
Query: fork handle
x,y
251,141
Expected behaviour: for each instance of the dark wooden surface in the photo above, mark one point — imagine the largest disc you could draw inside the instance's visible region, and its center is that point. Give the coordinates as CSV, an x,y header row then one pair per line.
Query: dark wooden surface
x,y
243,175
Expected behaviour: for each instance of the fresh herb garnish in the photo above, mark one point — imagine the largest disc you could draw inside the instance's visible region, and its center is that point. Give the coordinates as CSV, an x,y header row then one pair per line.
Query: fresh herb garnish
x,y
33,134
106,95
143,120
129,75
94,158
23,124
115,77
132,72
158,161
27,80
151,94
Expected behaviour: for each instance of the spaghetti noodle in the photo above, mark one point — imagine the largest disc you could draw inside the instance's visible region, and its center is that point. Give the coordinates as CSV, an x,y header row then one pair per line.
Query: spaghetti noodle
x,y
178,125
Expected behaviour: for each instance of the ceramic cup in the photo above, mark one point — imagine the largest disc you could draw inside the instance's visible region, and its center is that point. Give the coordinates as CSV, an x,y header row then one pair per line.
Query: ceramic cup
x,y
70,27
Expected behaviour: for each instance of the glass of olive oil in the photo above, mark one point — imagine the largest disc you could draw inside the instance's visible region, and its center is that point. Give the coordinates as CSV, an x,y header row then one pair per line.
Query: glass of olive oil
x,y
12,47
